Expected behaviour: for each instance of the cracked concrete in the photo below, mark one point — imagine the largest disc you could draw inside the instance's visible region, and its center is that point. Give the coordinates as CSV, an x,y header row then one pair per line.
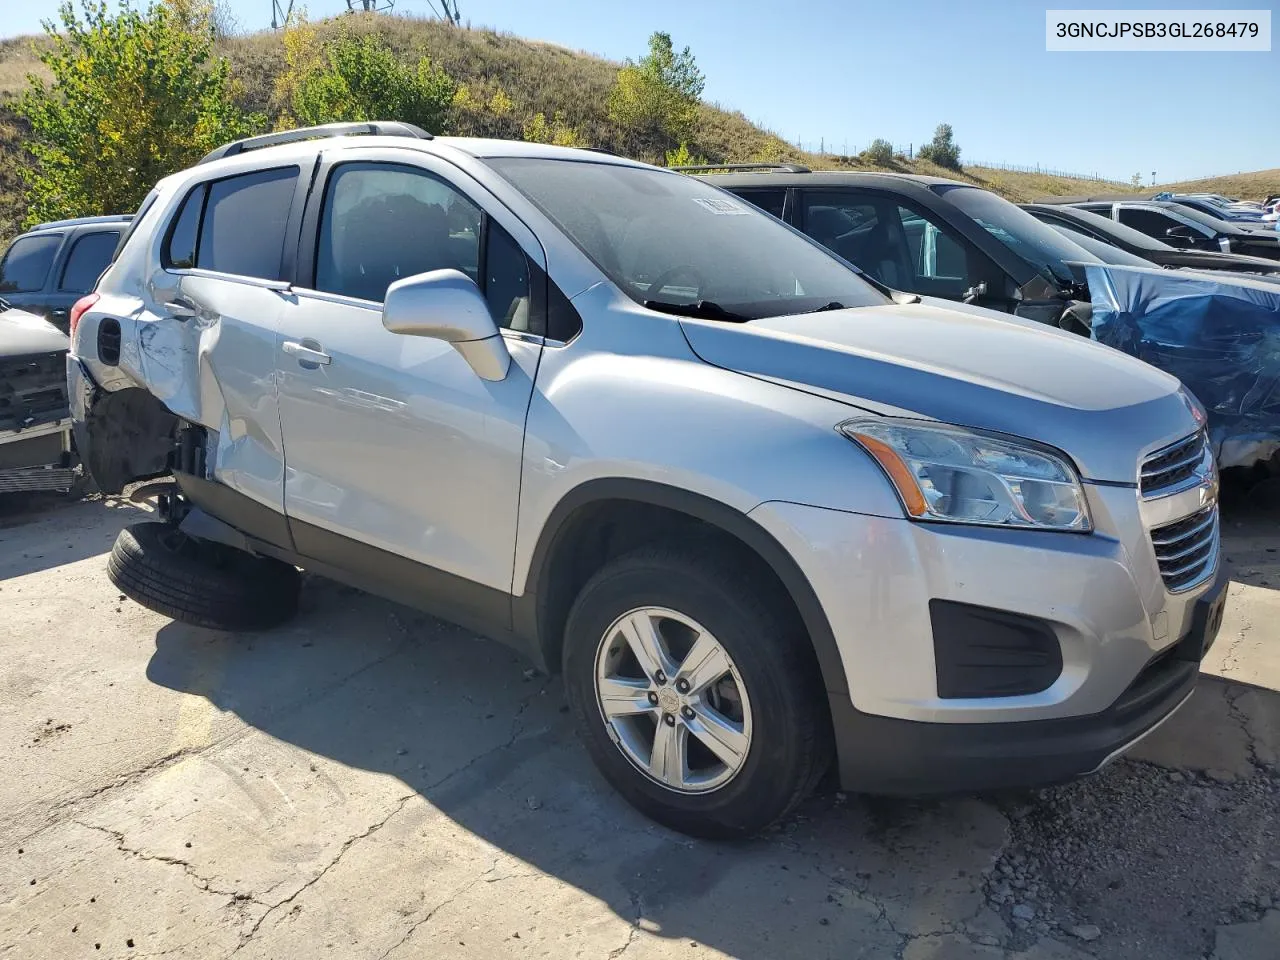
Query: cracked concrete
x,y
366,782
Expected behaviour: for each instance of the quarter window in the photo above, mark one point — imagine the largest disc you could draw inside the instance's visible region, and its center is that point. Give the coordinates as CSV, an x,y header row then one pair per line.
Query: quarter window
x,y
180,253
26,263
89,257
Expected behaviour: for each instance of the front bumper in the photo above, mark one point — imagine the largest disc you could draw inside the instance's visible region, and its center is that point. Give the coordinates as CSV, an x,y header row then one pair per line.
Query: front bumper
x,y
890,756
1125,647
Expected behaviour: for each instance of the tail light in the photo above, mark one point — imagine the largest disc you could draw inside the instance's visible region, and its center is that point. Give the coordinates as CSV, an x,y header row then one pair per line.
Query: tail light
x,y
78,309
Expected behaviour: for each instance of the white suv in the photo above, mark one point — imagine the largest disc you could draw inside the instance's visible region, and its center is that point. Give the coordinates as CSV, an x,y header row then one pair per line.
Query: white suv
x,y
763,513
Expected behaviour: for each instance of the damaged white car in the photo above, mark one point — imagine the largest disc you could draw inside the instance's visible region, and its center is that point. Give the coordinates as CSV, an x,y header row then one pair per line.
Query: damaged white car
x,y
764,515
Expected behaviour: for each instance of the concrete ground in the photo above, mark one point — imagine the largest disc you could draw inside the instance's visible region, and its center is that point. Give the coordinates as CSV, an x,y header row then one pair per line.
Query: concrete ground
x,y
367,782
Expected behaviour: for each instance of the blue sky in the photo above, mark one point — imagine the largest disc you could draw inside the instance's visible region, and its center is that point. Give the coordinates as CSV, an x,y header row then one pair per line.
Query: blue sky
x,y
847,72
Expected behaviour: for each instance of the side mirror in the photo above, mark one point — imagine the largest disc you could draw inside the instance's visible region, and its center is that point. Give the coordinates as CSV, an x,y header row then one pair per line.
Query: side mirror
x,y
1181,232
447,305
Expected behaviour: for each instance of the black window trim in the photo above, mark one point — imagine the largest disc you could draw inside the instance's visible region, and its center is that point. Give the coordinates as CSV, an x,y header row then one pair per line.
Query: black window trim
x,y
303,169
71,252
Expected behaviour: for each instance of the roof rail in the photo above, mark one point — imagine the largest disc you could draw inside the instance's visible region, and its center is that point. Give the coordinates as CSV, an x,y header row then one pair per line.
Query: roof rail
x,y
376,128
83,221
709,167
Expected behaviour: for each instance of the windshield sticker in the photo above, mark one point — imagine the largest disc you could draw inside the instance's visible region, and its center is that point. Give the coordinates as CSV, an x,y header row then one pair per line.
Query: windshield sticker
x,y
718,205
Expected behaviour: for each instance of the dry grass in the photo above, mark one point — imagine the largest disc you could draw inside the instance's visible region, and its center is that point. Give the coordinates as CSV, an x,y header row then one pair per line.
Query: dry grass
x,y
539,77
1247,186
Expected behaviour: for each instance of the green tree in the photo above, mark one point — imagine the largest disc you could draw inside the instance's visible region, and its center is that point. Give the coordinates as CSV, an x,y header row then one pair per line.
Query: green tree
x,y
880,152
657,97
134,96
354,77
942,149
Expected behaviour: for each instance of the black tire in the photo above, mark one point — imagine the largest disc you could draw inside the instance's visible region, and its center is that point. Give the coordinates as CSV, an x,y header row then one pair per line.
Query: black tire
x,y
791,746
201,583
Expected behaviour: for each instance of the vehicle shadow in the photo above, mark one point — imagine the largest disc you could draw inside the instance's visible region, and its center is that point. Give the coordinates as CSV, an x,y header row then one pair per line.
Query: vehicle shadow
x,y
468,727
42,531
1251,541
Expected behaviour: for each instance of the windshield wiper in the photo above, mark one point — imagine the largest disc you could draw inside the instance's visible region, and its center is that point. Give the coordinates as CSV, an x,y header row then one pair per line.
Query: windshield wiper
x,y
833,305
705,309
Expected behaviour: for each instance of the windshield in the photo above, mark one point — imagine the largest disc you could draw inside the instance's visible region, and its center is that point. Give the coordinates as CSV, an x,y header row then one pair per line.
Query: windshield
x,y
1103,251
668,240
1037,243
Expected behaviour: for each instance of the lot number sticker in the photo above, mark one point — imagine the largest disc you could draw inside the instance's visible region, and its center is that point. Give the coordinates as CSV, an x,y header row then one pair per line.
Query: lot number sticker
x,y
718,205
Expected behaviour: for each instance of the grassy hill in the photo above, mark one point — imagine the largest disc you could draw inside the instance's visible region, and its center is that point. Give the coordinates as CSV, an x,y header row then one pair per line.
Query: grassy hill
x,y
539,78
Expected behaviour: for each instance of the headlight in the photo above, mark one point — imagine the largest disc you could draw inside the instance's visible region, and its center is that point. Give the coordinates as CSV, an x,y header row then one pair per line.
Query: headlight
x,y
960,476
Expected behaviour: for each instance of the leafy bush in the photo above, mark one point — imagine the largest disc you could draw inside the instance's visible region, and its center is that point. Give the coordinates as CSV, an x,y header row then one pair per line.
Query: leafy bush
x,y
942,150
558,131
352,77
880,151
134,96
656,99
681,157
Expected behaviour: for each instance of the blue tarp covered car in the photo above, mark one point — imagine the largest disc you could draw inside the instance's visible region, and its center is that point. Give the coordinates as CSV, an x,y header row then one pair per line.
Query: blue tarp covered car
x,y
1221,338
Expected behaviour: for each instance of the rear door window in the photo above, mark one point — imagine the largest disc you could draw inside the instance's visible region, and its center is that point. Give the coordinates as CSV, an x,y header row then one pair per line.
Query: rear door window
x,y
89,256
236,225
243,227
26,264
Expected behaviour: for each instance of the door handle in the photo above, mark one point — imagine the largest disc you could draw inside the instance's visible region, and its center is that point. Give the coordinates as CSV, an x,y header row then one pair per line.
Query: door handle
x,y
307,352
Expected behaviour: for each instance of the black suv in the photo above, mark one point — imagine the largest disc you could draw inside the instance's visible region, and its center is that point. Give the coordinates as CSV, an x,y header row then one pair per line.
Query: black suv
x,y
48,268
924,235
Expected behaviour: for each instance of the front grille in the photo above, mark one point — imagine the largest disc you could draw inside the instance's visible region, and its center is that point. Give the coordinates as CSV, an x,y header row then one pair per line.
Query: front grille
x,y
33,390
1165,470
1187,551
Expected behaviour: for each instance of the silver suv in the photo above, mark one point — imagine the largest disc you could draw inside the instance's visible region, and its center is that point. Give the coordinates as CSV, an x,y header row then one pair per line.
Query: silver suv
x,y
764,514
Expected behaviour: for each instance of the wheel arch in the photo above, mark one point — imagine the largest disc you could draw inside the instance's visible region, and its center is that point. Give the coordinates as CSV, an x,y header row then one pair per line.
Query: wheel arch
x,y
576,538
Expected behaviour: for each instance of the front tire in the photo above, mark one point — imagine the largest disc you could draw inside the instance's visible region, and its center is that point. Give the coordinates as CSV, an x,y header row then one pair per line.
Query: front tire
x,y
696,691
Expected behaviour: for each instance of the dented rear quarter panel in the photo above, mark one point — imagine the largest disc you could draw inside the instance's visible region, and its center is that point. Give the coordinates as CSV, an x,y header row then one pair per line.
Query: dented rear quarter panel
x,y
215,369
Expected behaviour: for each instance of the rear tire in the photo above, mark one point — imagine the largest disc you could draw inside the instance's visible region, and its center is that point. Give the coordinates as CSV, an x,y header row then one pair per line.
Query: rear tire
x,y
199,582
772,690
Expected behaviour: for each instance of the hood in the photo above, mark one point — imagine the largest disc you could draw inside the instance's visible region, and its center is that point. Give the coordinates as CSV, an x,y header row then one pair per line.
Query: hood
x,y
23,333
972,368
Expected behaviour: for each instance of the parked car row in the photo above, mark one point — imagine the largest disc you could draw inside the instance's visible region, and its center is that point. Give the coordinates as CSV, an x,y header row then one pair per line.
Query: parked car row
x,y
768,512
1223,208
